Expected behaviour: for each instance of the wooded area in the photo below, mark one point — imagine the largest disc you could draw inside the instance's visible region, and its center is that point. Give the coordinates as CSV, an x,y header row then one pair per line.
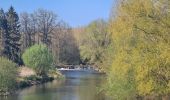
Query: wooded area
x,y
41,27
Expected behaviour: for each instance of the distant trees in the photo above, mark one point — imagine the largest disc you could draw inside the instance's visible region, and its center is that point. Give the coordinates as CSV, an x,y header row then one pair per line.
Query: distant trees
x,y
46,21
95,42
42,26
39,27
65,45
27,30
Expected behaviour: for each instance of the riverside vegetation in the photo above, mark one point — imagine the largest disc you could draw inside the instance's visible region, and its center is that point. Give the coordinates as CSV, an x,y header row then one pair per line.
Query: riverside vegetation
x,y
26,40
141,61
39,59
132,47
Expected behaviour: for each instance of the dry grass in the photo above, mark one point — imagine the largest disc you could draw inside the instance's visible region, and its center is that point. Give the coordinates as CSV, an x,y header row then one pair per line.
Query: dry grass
x,y
25,72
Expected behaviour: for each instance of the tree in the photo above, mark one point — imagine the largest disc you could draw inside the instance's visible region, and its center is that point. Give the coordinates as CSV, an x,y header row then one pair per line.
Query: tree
x,y
26,29
12,44
46,22
140,34
39,58
3,31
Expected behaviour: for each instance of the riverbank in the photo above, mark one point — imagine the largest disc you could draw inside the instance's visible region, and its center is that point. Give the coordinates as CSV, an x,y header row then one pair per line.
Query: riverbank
x,y
26,82
32,80
76,85
27,77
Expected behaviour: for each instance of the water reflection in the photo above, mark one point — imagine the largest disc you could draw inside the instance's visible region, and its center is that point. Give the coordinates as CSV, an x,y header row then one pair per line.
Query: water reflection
x,y
78,85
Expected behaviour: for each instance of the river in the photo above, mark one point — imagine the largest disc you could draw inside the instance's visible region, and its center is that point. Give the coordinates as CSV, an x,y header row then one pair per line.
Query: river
x,y
78,85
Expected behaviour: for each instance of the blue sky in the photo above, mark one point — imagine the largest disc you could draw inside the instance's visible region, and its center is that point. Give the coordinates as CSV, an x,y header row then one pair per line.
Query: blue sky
x,y
74,12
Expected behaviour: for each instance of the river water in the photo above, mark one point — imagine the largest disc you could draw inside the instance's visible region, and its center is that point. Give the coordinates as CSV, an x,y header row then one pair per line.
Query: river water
x,y
78,85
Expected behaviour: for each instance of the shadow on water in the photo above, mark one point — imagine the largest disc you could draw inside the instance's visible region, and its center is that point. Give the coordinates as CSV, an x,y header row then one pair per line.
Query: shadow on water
x,y
78,85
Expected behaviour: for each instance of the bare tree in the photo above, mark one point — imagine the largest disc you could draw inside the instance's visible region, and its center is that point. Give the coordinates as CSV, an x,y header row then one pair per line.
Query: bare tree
x,y
33,27
28,29
46,22
42,26
25,28
64,44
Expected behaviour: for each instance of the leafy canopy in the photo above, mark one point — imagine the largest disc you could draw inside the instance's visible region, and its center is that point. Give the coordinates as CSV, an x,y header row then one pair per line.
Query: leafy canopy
x,y
39,58
141,63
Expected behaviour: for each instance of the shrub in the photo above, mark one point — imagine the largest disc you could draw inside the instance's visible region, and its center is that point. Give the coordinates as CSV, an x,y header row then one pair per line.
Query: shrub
x,y
8,72
39,58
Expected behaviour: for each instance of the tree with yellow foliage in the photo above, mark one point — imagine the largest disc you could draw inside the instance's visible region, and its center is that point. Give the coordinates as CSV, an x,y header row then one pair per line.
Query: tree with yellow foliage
x,y
141,64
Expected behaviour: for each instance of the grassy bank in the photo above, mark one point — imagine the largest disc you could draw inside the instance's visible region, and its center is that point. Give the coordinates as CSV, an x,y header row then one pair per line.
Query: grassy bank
x,y
32,80
27,77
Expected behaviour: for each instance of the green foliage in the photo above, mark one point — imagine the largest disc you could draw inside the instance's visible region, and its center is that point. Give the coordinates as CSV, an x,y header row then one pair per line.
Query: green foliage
x,y
141,61
8,72
39,58
95,42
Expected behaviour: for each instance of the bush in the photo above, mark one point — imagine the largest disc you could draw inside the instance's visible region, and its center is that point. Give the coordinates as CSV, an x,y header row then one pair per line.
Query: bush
x,y
39,58
8,72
